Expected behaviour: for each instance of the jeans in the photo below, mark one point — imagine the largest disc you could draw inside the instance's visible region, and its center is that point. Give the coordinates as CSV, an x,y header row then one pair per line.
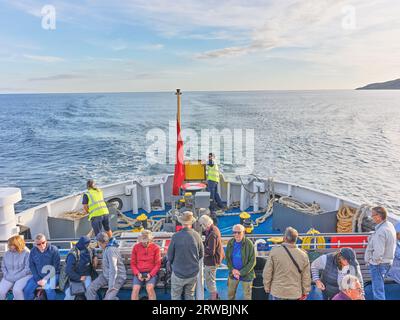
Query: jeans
x,y
378,274
17,288
100,222
102,281
49,287
212,187
68,296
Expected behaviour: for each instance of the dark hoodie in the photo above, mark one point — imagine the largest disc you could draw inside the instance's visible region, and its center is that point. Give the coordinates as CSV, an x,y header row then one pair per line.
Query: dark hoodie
x,y
83,268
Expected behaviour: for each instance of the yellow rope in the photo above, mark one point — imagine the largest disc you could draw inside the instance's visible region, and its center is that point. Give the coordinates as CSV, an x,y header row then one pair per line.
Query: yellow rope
x,y
345,219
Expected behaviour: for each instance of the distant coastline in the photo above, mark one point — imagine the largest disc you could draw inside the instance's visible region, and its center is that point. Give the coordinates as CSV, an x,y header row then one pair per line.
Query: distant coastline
x,y
388,85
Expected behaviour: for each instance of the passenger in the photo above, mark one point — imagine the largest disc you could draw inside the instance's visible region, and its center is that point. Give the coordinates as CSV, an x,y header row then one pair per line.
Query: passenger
x,y
44,263
80,265
394,271
94,204
113,270
213,254
184,253
350,289
212,182
286,274
380,251
15,268
145,264
241,260
334,267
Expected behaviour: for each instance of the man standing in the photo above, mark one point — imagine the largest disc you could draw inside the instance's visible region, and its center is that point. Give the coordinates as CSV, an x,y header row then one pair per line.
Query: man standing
x,y
184,253
287,273
213,253
114,272
241,260
94,204
380,251
44,263
212,182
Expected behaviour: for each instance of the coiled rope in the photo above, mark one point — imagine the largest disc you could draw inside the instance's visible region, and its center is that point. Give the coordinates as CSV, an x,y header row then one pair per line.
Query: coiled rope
x,y
345,219
350,219
310,208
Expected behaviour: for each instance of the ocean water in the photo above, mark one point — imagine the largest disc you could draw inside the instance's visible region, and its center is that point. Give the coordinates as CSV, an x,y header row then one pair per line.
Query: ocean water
x,y
344,142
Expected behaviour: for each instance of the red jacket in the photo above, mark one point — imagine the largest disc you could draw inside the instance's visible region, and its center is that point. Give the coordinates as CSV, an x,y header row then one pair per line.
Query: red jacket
x,y
145,259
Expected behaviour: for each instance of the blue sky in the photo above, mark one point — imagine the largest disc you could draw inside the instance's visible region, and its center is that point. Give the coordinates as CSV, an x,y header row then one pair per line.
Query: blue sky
x,y
114,46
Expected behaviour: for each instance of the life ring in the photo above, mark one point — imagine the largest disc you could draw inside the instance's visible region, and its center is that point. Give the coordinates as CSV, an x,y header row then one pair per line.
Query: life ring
x,y
116,200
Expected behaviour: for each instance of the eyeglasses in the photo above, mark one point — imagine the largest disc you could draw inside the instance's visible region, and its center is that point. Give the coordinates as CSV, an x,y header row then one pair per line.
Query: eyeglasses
x,y
41,243
237,232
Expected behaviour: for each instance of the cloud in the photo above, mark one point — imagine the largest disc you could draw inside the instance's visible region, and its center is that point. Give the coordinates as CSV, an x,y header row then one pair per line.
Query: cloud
x,y
152,47
43,58
57,77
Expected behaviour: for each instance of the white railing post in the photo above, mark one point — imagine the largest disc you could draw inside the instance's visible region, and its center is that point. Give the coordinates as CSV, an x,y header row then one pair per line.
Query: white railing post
x,y
8,221
200,282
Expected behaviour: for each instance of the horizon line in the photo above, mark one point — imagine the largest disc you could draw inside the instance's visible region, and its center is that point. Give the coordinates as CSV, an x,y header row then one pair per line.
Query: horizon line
x,y
164,91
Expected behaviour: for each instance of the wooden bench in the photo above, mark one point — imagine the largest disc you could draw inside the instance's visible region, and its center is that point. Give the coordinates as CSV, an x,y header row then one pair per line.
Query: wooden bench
x,y
126,255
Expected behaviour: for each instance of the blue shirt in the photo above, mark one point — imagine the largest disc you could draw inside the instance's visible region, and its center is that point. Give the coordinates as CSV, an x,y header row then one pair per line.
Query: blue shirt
x,y
237,256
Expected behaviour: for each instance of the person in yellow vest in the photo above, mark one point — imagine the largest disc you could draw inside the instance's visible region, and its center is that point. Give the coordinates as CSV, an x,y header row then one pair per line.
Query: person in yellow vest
x,y
94,204
212,182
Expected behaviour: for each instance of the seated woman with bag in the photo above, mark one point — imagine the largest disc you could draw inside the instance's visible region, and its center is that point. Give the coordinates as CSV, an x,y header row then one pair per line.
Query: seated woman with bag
x,y
79,269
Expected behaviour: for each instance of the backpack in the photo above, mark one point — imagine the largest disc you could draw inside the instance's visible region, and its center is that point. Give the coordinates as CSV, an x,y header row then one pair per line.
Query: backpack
x,y
64,278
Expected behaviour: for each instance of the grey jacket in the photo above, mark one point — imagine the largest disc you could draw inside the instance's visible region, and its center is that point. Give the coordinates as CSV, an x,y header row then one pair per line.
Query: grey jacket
x,y
184,253
113,266
15,265
381,244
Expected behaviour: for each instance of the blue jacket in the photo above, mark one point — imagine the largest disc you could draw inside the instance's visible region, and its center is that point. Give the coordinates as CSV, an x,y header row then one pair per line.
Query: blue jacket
x,y
39,261
84,267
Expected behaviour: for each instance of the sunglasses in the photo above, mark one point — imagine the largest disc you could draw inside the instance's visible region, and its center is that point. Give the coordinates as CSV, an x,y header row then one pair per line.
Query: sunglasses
x,y
237,232
40,243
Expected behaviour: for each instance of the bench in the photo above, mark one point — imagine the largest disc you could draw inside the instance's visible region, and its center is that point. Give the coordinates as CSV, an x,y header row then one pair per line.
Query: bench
x,y
163,280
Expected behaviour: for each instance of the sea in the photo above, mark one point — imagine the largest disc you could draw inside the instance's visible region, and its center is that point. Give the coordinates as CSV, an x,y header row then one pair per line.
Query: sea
x,y
345,142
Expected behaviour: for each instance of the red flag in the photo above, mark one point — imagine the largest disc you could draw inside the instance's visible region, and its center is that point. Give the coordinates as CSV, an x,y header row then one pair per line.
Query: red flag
x,y
179,174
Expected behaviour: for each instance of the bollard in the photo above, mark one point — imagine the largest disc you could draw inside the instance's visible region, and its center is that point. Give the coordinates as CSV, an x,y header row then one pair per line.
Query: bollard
x,y
8,221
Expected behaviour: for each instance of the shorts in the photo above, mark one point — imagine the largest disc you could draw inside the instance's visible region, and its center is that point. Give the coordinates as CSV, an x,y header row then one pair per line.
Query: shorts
x,y
137,282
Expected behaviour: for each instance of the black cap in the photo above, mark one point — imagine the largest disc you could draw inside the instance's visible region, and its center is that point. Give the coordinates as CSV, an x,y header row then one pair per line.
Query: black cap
x,y
349,255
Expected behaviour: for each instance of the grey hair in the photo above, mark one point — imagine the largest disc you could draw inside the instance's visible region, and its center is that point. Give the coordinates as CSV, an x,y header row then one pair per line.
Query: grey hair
x,y
238,226
206,220
40,236
291,235
103,237
349,282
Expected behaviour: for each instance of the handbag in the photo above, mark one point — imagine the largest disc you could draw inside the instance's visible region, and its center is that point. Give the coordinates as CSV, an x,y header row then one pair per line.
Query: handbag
x,y
77,287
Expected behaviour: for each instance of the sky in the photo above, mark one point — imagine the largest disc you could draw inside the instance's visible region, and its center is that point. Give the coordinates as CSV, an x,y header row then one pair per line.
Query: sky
x,y
157,45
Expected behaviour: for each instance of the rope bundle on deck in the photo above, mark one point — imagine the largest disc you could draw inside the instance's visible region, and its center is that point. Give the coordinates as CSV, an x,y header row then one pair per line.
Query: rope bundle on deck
x,y
310,208
345,219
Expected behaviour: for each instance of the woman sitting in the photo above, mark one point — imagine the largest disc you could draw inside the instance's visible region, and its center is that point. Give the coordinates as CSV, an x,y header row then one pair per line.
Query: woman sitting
x,y
333,267
15,268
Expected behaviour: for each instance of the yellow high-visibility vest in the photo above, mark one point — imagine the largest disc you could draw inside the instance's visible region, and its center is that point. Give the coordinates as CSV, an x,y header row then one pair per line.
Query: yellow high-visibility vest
x,y
213,172
96,204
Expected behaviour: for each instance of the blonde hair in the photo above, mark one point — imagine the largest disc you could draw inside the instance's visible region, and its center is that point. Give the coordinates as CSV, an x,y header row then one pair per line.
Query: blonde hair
x,y
18,242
